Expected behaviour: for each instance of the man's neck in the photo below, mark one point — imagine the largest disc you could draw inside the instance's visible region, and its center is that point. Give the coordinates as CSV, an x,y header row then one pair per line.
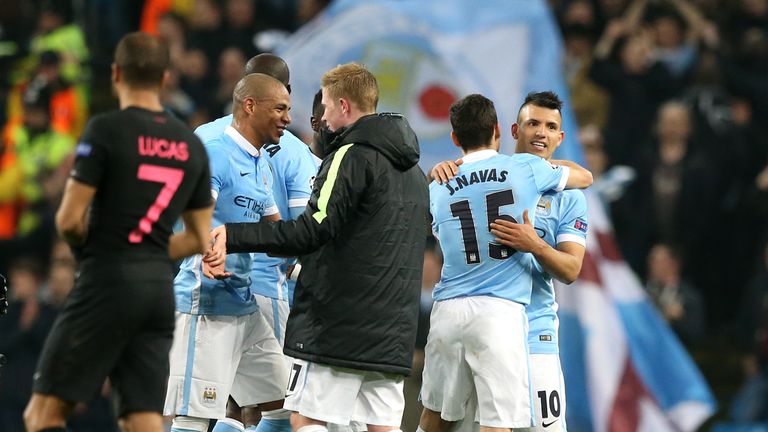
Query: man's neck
x,y
475,150
148,99
247,133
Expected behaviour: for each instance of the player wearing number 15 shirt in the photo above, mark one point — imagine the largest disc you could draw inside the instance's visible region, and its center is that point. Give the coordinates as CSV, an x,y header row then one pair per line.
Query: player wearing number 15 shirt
x,y
478,337
138,169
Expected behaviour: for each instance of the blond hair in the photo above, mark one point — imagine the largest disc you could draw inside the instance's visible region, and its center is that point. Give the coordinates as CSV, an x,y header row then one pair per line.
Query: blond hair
x,y
354,82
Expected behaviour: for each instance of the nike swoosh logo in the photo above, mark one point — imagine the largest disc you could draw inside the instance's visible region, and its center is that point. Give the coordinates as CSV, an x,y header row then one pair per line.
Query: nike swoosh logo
x,y
546,425
243,174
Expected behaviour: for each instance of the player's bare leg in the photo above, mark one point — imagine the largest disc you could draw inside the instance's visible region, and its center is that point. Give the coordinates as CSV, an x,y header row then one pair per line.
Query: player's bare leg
x,y
377,428
146,421
46,412
431,421
251,416
298,421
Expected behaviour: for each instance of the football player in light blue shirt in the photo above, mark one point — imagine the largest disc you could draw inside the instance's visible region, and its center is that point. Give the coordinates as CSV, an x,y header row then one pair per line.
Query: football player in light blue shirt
x,y
216,333
483,281
294,169
557,241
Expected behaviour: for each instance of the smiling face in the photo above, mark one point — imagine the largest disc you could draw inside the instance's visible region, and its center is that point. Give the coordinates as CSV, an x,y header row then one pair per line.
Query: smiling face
x,y
537,131
270,116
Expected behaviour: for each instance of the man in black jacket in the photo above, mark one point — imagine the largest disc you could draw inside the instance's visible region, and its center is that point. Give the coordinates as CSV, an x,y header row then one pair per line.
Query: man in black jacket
x,y
361,241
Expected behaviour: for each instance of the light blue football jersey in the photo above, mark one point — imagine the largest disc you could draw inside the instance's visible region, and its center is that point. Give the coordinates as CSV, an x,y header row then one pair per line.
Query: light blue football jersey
x,y
241,183
488,186
294,170
560,217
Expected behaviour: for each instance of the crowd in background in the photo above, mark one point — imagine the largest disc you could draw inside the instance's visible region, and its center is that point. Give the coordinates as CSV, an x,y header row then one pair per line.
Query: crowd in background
x,y
671,99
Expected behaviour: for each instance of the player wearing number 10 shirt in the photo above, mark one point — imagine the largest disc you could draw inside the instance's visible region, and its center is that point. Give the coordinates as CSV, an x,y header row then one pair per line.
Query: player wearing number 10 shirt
x,y
138,169
478,337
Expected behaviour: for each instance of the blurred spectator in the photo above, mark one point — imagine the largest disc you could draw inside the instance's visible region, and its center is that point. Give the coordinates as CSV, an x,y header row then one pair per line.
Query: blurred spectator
x,y
677,27
241,25
171,29
61,280
61,252
22,333
68,108
43,157
206,30
745,73
195,77
588,101
175,99
751,401
230,70
632,74
673,198
678,301
753,316
56,32
610,182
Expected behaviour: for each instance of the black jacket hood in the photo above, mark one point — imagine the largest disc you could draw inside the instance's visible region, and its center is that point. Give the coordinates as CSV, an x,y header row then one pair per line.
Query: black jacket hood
x,y
388,133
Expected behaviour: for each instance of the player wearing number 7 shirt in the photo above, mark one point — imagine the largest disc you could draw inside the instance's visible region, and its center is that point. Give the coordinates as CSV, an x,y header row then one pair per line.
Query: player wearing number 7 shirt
x,y
477,343
136,171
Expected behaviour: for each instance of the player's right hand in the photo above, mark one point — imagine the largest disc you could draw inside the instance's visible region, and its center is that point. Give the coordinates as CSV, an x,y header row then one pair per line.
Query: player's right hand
x,y
445,171
216,256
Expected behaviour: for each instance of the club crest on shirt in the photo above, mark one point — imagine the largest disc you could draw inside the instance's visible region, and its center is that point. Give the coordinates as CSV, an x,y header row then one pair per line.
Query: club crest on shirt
x,y
544,206
209,396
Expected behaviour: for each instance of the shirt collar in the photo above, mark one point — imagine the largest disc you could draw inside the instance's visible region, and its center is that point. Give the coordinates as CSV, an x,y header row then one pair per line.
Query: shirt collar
x,y
479,155
242,142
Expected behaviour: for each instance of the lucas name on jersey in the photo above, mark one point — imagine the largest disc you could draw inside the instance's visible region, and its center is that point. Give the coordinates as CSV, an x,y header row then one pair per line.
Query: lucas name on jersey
x,y
476,177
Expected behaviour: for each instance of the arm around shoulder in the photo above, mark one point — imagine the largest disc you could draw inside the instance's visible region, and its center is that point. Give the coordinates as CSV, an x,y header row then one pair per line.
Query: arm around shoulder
x,y
578,176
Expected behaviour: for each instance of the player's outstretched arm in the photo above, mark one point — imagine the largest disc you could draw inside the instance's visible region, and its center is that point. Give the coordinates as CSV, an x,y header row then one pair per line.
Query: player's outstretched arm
x,y
330,207
72,216
578,178
196,235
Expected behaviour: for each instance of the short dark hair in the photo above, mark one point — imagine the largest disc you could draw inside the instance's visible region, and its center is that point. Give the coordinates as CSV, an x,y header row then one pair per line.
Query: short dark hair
x,y
545,99
473,119
272,65
142,59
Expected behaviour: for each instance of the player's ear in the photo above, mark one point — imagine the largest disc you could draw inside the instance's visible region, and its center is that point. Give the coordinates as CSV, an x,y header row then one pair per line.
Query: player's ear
x,y
115,73
344,104
166,77
249,105
455,139
515,130
497,131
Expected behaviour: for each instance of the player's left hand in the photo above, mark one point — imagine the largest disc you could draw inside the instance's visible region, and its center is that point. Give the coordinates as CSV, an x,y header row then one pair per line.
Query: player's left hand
x,y
519,236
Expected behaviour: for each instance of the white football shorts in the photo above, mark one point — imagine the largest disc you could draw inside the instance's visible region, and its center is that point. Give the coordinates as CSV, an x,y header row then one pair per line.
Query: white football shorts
x,y
342,395
479,345
213,357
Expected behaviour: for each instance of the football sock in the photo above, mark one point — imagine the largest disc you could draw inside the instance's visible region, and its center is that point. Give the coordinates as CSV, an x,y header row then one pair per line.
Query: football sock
x,y
278,420
228,425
